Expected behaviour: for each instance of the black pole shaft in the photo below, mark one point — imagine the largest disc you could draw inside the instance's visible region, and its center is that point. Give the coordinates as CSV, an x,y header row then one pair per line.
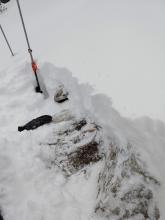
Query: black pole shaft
x,y
28,44
6,40
24,28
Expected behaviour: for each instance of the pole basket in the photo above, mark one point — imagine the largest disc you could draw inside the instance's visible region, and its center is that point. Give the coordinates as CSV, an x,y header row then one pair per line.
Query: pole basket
x,y
38,89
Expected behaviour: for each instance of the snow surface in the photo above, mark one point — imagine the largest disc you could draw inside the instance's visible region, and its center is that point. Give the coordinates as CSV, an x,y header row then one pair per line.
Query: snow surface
x,y
117,46
28,189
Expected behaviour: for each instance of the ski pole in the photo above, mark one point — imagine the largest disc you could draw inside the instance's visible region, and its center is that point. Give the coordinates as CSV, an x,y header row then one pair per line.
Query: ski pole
x,y
34,65
7,42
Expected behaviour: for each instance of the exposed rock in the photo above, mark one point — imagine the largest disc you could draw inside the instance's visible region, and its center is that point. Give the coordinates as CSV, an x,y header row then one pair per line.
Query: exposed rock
x,y
61,94
74,146
124,182
116,211
84,155
126,190
78,125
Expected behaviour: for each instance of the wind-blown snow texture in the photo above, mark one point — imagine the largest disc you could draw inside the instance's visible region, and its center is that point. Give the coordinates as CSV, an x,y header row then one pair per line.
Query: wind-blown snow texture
x,y
34,188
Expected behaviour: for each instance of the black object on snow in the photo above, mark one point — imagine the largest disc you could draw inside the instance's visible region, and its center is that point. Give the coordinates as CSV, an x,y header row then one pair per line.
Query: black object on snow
x,y
35,123
1,217
38,89
80,124
4,1
63,100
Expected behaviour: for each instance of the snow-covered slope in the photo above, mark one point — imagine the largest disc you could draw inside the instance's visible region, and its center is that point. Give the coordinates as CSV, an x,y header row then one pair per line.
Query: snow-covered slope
x,y
117,46
33,187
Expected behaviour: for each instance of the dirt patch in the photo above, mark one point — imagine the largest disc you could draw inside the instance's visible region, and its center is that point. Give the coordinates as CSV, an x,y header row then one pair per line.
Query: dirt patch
x,y
84,155
74,146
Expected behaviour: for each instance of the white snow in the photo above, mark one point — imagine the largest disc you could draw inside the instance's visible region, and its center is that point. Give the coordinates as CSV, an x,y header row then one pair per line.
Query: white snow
x,y
28,189
117,46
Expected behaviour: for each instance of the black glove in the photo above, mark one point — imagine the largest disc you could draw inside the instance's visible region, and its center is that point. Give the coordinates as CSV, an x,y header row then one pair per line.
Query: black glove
x,y
35,123
4,1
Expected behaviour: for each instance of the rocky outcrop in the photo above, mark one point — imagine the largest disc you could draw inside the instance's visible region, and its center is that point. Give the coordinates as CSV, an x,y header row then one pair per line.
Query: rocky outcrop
x,y
125,188
61,95
75,145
